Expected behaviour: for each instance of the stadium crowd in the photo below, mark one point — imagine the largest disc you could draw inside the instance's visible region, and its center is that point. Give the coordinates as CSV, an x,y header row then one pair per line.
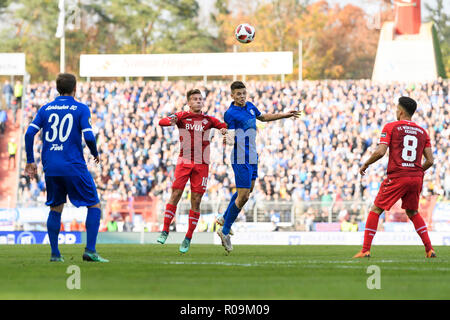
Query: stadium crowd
x,y
312,159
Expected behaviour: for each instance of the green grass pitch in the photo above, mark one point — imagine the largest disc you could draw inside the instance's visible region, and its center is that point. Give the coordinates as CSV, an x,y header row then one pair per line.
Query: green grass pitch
x,y
206,272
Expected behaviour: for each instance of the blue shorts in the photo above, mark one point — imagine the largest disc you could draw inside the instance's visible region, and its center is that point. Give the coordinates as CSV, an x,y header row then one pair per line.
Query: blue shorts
x,y
244,174
81,190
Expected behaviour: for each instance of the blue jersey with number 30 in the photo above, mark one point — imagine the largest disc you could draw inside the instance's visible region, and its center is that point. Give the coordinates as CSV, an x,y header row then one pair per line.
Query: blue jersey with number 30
x,y
63,122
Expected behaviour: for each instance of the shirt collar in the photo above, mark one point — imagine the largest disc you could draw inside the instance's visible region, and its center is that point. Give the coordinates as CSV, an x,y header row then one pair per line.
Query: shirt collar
x,y
65,98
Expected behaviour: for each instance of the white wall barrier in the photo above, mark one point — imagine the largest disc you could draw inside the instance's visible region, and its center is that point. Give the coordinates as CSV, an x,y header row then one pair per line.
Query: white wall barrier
x,y
333,238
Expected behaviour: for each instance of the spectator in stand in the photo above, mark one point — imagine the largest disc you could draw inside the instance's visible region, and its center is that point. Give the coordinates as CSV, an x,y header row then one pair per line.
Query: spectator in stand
x,y
18,92
8,92
12,150
128,224
112,225
3,119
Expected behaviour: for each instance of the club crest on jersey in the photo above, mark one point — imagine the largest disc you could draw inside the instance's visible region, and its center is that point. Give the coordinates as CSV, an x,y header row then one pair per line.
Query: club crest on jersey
x,y
252,112
205,121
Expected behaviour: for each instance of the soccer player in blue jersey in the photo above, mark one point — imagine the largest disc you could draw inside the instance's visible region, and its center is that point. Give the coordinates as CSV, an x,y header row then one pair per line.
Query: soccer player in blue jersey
x,y
63,122
241,121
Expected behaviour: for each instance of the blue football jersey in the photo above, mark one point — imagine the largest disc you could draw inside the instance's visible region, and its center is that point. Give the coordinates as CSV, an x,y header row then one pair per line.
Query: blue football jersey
x,y
63,122
243,121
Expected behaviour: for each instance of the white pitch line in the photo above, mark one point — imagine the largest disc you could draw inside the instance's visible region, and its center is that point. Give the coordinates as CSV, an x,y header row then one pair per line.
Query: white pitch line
x,y
303,264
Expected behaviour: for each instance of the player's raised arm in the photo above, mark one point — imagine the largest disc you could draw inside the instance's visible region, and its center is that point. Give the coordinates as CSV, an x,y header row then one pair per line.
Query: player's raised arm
x,y
276,116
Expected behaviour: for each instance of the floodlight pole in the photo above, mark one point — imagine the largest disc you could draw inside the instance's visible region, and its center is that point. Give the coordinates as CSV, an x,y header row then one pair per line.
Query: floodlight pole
x,y
25,83
62,61
234,50
300,60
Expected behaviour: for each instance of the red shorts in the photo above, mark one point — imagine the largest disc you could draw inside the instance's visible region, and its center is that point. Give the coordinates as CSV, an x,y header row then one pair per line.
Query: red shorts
x,y
406,188
197,173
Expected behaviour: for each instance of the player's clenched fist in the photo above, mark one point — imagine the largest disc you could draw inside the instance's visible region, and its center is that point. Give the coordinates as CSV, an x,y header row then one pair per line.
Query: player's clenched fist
x,y
173,119
30,169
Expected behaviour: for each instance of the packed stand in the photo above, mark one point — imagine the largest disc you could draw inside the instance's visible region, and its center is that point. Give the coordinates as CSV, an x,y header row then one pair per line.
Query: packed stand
x,y
315,159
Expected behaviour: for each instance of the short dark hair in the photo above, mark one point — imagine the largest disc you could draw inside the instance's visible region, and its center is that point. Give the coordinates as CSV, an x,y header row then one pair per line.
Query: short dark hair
x,y
66,83
237,85
192,92
410,105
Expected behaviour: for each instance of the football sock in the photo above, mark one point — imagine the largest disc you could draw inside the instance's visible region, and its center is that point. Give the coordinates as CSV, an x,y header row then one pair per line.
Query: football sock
x,y
233,199
92,225
370,230
53,227
193,219
231,217
169,213
422,231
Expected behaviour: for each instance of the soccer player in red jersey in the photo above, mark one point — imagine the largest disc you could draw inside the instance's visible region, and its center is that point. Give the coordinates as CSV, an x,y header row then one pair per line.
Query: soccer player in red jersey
x,y
407,143
193,161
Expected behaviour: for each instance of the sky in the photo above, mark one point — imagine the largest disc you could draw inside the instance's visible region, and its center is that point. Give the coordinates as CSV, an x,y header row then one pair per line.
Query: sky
x,y
370,6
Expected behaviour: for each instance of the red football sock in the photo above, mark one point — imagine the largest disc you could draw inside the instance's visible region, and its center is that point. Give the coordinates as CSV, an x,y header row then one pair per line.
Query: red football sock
x,y
370,230
422,231
169,213
193,219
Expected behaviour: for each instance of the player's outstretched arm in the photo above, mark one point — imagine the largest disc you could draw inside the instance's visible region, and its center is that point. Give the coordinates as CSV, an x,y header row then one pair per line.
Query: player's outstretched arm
x,y
30,167
429,159
276,116
376,155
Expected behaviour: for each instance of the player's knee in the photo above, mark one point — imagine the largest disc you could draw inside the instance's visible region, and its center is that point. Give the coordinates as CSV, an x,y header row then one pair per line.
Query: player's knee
x,y
58,208
376,210
176,196
411,213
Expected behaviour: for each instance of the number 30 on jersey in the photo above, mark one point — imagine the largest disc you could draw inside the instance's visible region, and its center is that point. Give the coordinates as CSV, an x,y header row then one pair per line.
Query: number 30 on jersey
x,y
57,127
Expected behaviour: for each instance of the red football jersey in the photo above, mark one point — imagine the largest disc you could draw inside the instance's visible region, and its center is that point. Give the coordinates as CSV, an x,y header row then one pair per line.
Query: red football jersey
x,y
194,129
406,141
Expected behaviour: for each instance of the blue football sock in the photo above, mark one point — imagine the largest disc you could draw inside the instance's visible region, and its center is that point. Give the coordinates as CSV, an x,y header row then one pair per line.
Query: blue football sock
x,y
53,227
233,199
92,225
231,217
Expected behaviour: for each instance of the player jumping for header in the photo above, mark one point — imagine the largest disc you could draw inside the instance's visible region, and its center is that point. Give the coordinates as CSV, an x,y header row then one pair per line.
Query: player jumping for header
x,y
241,120
193,161
63,121
407,142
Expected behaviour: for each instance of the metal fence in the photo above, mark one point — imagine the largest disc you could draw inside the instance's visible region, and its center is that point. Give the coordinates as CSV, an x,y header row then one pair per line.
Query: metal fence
x,y
288,213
